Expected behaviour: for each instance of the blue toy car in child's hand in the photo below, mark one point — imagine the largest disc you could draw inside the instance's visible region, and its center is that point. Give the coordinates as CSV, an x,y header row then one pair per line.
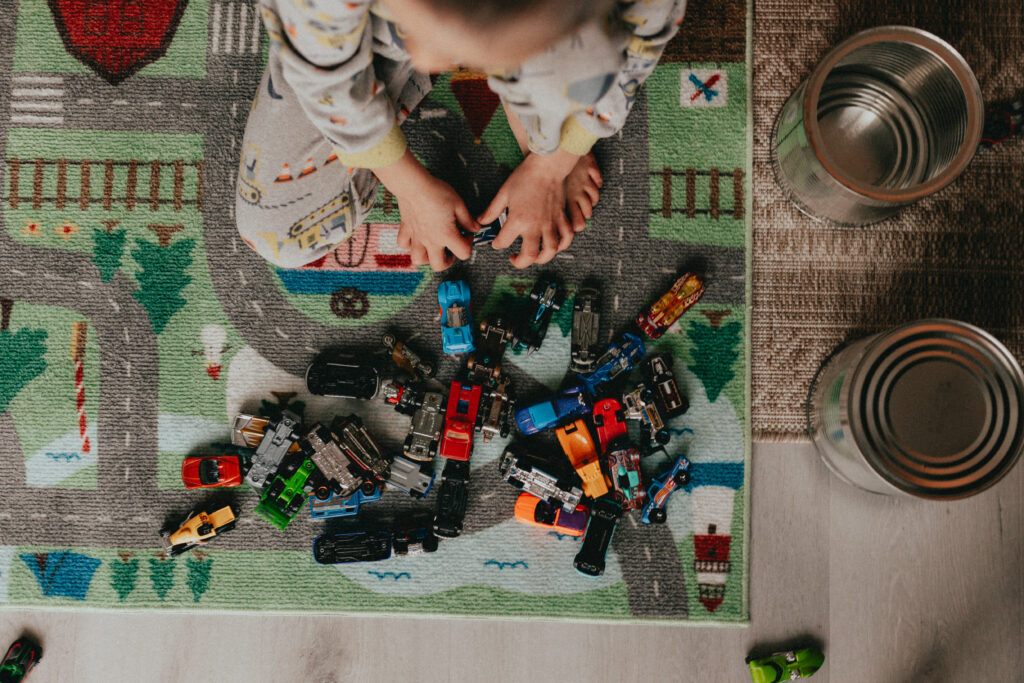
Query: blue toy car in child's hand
x,y
456,321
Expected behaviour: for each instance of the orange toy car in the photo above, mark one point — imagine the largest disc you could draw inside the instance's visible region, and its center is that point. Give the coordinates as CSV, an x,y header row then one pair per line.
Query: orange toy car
x,y
198,528
533,511
686,291
579,448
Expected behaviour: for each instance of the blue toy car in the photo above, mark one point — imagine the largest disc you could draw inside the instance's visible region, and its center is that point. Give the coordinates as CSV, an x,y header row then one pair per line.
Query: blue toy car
x,y
338,506
552,412
663,487
618,358
456,320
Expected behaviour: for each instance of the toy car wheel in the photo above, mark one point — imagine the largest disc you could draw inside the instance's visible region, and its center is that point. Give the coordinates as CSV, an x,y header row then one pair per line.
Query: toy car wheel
x,y
662,436
647,395
322,492
430,544
471,363
388,340
204,529
400,547
227,527
515,482
681,478
428,369
598,420
368,488
658,515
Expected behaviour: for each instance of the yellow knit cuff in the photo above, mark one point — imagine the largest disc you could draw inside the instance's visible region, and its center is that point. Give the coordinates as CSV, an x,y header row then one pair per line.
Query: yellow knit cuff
x,y
575,138
384,153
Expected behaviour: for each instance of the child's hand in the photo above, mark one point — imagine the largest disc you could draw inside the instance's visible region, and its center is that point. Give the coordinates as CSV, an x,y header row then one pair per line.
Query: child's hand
x,y
582,190
535,197
431,214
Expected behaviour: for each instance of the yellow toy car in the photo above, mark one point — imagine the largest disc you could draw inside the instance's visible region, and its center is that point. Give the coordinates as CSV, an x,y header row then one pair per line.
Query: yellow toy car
x,y
198,528
579,448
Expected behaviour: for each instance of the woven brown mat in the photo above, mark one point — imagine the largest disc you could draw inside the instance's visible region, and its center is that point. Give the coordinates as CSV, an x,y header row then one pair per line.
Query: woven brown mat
x,y
958,254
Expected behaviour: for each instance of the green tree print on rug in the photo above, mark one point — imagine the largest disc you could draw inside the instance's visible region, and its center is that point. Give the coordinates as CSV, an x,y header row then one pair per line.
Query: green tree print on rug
x,y
108,249
714,352
198,578
161,573
21,361
162,277
123,575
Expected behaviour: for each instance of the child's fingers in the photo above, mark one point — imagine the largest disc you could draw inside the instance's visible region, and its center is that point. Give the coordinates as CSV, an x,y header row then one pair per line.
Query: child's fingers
x,y
595,175
549,245
495,208
567,234
507,235
404,238
440,258
593,193
419,255
527,253
461,247
465,219
578,221
586,208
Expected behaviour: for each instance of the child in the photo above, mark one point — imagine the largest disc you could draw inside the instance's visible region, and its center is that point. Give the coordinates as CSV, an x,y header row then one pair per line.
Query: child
x,y
343,75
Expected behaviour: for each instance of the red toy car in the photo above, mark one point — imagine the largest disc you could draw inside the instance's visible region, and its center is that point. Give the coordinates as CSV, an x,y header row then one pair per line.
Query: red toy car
x,y
460,421
609,420
211,471
686,291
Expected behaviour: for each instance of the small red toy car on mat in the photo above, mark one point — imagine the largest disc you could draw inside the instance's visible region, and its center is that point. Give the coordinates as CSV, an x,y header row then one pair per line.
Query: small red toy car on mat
x,y
460,421
609,421
211,471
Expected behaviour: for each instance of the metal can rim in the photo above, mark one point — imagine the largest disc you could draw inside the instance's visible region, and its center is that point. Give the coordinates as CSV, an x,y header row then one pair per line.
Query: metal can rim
x,y
920,38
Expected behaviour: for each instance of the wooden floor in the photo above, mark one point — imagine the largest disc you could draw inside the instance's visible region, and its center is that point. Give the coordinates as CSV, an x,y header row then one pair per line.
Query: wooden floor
x,y
895,591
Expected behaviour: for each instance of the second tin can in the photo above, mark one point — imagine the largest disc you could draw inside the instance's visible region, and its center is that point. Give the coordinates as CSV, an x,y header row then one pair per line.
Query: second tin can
x,y
929,409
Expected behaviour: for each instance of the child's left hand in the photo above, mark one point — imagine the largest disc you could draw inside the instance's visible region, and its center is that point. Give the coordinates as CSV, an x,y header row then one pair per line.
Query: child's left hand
x,y
535,197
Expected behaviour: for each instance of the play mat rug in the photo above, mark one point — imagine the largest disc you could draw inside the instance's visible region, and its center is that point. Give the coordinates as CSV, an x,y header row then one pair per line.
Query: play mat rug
x,y
136,325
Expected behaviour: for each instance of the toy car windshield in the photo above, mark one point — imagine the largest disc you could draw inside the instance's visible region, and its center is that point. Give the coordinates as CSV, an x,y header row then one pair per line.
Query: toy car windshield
x,y
209,472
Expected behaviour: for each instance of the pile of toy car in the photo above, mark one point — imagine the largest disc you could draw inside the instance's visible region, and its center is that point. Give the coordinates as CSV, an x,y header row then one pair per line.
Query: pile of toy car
x,y
340,467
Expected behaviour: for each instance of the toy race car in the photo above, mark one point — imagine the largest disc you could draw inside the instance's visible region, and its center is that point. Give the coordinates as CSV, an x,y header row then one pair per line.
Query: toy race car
x,y
406,398
533,511
546,299
609,421
353,546
484,366
590,560
424,435
586,324
452,497
456,321
414,478
496,411
623,463
342,375
287,492
662,487
519,472
686,291
338,506
641,404
618,358
358,445
658,371
786,666
460,421
548,413
211,471
407,359
22,656
414,541
272,441
579,447
340,474
198,529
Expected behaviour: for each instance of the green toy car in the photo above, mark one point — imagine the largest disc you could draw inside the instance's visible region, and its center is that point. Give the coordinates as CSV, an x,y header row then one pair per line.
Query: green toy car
x,y
786,666
21,657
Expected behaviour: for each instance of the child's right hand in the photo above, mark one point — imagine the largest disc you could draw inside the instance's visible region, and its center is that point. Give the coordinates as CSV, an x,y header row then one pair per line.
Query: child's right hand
x,y
431,215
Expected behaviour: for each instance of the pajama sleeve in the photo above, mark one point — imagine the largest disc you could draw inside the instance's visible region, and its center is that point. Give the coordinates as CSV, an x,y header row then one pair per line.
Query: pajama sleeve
x,y
326,53
583,87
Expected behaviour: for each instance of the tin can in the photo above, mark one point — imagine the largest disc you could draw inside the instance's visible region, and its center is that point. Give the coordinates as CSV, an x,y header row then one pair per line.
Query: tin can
x,y
930,409
889,116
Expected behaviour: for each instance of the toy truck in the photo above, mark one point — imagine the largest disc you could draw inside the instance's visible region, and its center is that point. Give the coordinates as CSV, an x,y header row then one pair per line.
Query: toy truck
x,y
272,441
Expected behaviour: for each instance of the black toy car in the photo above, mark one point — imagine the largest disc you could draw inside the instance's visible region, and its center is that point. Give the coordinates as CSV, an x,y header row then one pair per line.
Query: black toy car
x,y
586,323
660,378
22,656
451,499
546,299
343,375
590,560
414,541
353,546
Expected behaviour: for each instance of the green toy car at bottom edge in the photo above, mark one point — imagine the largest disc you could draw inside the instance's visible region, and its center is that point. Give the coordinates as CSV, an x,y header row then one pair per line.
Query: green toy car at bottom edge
x,y
786,666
